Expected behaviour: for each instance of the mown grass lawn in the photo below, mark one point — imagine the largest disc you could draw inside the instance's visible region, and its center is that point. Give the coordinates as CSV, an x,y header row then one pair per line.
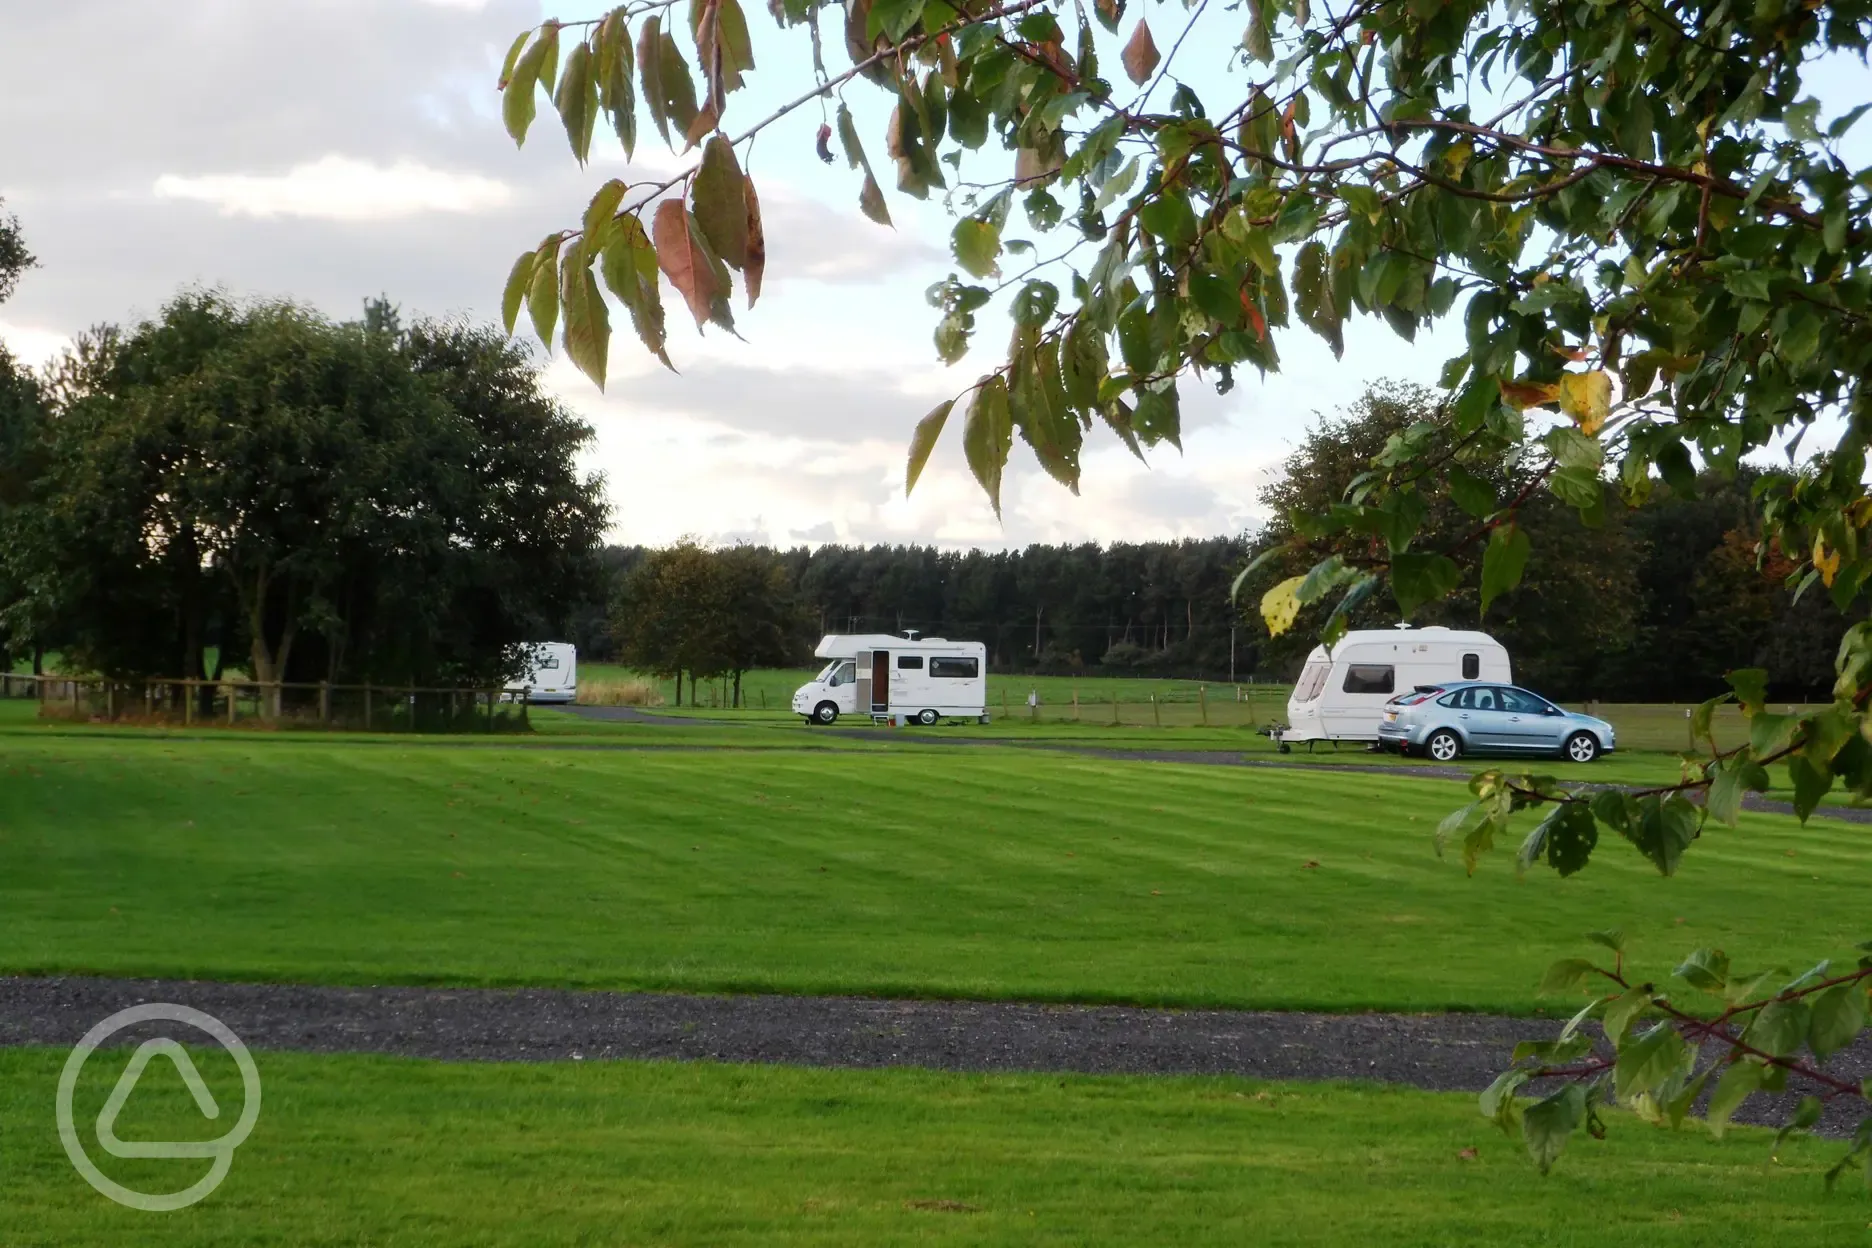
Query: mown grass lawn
x,y
972,872
352,1150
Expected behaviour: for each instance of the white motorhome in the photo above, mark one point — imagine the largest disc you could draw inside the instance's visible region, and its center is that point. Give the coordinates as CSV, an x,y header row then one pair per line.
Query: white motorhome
x,y
910,678
1340,696
553,676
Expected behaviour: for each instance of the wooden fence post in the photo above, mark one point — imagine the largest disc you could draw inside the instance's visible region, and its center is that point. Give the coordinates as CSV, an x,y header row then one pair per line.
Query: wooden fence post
x,y
1202,700
110,701
1114,710
74,691
367,708
1075,704
233,701
325,702
1156,712
188,704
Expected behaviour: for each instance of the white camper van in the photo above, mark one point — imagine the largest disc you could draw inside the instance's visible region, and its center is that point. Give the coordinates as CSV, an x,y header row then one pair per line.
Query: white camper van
x,y
881,676
553,676
1341,696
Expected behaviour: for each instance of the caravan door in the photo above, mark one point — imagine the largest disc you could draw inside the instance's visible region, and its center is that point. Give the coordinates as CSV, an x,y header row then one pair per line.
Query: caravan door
x,y
880,681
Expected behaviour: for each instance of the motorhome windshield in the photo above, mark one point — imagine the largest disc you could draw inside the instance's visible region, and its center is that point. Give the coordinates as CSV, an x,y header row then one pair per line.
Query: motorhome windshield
x,y
825,673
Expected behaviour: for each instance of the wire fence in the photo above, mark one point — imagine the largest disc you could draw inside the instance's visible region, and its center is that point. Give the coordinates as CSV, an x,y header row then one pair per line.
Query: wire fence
x,y
300,704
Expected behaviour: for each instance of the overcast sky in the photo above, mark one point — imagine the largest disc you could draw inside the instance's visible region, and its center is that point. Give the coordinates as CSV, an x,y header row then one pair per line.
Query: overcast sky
x,y
329,150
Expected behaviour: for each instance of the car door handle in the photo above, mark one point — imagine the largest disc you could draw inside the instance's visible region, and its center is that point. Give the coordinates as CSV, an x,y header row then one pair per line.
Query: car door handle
x,y
1464,715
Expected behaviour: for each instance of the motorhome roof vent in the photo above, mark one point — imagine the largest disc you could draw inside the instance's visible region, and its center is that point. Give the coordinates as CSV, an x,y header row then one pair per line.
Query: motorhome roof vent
x,y
1401,625
911,633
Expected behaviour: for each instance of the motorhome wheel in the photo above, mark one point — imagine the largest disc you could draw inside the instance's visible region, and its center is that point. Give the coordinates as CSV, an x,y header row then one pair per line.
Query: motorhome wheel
x,y
926,718
826,712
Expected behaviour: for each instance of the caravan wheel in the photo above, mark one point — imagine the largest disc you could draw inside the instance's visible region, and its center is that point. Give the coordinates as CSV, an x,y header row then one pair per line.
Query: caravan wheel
x,y
825,713
926,718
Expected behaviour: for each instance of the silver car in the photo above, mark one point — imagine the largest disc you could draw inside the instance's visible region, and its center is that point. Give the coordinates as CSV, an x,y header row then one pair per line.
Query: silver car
x,y
1445,722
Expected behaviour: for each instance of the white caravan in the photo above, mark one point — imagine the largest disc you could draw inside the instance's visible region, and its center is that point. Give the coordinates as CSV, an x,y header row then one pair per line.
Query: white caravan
x,y
1341,696
882,676
553,676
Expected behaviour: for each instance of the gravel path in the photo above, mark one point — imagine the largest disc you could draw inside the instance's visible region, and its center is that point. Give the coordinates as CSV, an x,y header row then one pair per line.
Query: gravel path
x,y
1439,1052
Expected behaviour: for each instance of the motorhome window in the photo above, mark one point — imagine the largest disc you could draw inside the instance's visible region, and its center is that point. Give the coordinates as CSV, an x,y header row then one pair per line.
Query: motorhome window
x,y
843,674
959,669
910,662
548,664
1373,678
1471,666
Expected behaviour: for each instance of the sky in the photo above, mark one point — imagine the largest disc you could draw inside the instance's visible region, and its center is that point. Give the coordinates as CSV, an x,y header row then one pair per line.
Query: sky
x,y
332,150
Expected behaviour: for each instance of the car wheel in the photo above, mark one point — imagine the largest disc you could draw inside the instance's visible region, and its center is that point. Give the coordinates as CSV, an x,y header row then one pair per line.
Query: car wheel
x,y
825,713
1582,747
1444,746
926,718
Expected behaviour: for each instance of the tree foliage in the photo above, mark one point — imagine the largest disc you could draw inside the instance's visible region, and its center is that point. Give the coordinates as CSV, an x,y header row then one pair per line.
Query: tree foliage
x,y
308,500
14,258
708,613
1658,247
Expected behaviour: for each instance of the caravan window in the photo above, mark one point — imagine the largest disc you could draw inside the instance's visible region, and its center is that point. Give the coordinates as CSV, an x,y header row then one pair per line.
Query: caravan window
x,y
1471,666
1370,678
959,669
910,662
1311,681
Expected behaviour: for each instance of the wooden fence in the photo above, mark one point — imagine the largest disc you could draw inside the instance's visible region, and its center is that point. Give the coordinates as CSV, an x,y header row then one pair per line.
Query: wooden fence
x,y
190,702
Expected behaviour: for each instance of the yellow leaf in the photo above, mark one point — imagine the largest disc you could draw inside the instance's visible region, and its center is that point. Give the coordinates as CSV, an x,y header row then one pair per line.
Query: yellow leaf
x,y
1828,561
1587,398
1281,604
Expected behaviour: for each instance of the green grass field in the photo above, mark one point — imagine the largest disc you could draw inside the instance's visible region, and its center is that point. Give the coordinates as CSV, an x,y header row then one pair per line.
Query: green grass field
x,y
360,1150
955,872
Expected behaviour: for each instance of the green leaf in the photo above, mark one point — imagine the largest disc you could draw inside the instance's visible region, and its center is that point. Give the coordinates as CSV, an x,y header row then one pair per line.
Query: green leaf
x,y
1646,1063
650,72
543,294
1751,688
1705,969
577,101
598,215
587,321
1625,1009
1812,782
1417,578
923,441
720,202
1780,1028
1738,1082
977,246
518,105
1503,561
1732,779
630,271
1612,938
1839,1015
1470,492
518,280
1547,1125
987,437
1566,975
1497,1101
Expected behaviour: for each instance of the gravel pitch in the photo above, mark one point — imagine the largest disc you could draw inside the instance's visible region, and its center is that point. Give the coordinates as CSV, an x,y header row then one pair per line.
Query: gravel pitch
x,y
1439,1052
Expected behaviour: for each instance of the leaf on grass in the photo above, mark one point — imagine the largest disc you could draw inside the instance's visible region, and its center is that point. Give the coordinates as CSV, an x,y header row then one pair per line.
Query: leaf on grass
x,y
1140,54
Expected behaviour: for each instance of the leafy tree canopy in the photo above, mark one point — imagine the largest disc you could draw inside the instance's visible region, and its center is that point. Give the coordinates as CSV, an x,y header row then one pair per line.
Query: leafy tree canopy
x,y
1653,231
14,258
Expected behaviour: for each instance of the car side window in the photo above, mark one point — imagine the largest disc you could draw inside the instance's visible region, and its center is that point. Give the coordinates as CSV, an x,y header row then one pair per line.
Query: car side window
x,y
1452,699
1481,698
1522,703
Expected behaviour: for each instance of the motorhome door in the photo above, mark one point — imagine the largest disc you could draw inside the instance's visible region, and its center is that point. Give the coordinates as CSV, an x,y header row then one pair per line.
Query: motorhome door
x,y
880,681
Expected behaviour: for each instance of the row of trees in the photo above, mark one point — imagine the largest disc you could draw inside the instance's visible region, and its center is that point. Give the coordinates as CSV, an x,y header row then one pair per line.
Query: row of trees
x,y
258,487
1644,604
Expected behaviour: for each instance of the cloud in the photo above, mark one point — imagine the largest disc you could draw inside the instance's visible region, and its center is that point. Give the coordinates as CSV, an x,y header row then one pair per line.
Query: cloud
x,y
337,188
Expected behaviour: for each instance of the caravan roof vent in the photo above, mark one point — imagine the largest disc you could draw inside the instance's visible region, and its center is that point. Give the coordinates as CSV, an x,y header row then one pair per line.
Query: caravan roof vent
x,y
1401,625
911,633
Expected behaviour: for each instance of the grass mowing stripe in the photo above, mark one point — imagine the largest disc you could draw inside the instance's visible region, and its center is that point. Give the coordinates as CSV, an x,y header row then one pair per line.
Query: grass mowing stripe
x,y
991,873
377,1150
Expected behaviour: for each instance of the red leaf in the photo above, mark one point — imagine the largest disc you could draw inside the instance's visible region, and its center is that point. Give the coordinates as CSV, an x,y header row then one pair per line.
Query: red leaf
x,y
756,247
1140,54
682,261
